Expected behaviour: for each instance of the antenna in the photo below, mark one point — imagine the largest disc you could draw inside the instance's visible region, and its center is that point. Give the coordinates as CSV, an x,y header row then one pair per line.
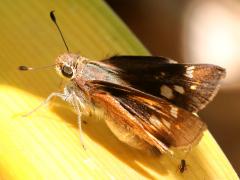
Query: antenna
x,y
53,18
26,68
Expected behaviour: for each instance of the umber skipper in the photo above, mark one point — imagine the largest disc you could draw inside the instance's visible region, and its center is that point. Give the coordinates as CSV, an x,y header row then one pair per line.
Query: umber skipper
x,y
150,102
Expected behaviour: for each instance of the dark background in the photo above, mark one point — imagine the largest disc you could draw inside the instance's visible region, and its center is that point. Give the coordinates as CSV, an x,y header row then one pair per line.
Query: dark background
x,y
174,29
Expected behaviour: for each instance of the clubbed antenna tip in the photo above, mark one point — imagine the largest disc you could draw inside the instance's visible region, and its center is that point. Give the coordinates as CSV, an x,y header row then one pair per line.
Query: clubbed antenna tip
x,y
53,18
24,68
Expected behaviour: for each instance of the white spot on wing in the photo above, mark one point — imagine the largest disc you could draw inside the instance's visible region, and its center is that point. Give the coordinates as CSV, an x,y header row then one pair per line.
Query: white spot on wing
x,y
163,73
171,61
155,121
193,87
189,71
174,111
166,91
195,114
166,123
179,89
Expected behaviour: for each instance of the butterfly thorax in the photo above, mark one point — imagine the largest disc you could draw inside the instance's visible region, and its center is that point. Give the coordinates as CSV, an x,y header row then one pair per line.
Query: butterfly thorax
x,y
81,70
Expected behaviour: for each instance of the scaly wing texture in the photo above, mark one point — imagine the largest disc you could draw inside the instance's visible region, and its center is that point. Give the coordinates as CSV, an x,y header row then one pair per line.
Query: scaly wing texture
x,y
153,119
190,86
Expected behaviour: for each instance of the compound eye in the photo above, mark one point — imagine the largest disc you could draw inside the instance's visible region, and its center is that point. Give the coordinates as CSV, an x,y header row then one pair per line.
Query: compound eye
x,y
67,71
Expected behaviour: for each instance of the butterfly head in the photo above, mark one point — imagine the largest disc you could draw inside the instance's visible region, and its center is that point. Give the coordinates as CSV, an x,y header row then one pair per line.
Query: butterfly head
x,y
67,64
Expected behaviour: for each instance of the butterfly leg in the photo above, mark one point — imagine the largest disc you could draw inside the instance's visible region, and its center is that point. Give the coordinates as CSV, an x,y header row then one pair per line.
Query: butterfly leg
x,y
55,94
79,115
80,128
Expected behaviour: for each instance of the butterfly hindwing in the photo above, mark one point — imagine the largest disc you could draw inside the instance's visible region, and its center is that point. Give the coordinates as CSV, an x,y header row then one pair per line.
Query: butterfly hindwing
x,y
160,121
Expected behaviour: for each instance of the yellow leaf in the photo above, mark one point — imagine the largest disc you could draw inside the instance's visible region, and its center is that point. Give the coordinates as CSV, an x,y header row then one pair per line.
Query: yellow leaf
x,y
46,145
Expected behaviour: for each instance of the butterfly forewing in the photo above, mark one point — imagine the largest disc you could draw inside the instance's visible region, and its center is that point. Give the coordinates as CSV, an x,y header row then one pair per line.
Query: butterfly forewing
x,y
157,121
190,86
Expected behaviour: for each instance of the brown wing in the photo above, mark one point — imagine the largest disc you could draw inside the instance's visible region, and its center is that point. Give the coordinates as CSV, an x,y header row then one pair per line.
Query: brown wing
x,y
153,119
